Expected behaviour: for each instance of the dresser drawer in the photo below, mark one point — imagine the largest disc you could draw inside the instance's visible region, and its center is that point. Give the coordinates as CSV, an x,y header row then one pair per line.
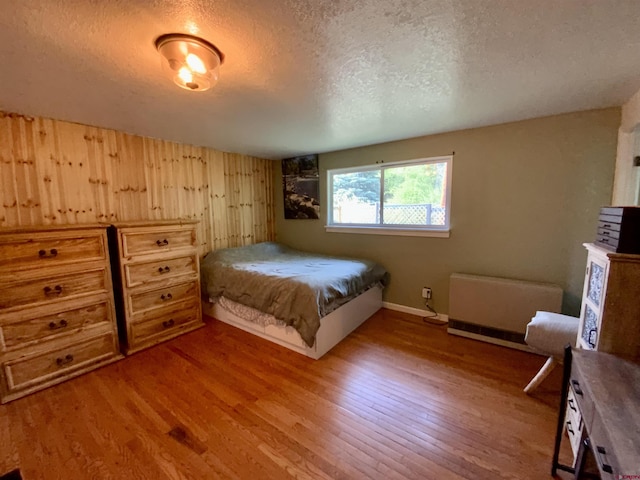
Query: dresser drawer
x,y
157,241
21,333
163,296
610,226
167,324
608,233
28,371
574,424
190,304
51,289
608,242
147,272
573,412
580,397
22,252
606,217
574,432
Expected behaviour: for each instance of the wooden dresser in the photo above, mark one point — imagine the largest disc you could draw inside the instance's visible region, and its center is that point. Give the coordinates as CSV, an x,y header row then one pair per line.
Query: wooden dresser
x,y
57,317
158,281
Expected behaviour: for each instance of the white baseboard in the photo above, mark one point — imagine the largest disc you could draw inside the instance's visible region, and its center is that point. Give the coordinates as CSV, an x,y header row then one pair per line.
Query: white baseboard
x,y
414,311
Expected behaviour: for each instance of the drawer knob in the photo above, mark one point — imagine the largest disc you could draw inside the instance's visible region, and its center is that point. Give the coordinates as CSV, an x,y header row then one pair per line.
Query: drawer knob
x,y
168,323
62,361
57,290
572,406
592,335
56,326
606,233
43,253
576,387
607,225
164,269
162,243
569,429
602,452
168,296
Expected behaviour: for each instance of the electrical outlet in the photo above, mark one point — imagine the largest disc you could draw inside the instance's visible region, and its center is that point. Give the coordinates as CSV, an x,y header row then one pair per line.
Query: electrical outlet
x,y
426,293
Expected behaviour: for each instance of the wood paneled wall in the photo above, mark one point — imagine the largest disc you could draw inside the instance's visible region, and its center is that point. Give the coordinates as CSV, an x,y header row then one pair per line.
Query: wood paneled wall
x,y
55,172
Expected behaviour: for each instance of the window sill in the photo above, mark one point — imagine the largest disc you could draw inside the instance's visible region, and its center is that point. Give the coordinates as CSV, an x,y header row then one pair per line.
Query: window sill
x,y
403,232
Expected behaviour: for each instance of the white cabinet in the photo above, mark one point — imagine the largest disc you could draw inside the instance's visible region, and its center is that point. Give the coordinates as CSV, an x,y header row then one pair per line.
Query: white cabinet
x,y
610,313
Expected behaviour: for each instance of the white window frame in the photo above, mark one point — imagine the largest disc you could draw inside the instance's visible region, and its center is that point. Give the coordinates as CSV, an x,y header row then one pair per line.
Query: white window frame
x,y
380,229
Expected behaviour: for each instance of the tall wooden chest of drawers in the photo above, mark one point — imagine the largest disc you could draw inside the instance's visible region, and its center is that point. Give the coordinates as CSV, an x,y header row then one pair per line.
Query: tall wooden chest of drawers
x,y
158,281
57,317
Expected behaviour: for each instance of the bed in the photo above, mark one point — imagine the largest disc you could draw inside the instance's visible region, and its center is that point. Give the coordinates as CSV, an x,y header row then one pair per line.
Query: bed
x,y
305,302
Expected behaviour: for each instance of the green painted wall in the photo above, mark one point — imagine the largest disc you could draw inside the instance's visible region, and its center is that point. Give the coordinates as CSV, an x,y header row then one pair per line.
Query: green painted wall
x,y
525,196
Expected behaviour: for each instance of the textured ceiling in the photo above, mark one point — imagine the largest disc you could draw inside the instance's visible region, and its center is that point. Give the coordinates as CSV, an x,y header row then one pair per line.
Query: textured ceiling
x,y
307,76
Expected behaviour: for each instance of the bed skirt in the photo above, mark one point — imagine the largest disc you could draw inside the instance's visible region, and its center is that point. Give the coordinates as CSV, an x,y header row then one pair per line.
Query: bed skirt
x,y
333,328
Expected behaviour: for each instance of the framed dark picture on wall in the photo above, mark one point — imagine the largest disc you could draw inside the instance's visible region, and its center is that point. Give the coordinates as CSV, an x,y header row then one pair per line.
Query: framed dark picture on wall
x,y
301,187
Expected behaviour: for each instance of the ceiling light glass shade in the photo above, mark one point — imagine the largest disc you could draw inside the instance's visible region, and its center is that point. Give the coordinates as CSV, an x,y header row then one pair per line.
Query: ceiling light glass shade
x,y
192,62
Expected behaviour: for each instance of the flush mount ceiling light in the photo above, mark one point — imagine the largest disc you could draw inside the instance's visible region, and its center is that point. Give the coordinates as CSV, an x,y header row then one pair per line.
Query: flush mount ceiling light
x,y
192,61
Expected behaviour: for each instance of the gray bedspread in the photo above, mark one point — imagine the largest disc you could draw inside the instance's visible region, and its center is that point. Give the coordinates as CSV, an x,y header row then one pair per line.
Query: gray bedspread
x,y
296,287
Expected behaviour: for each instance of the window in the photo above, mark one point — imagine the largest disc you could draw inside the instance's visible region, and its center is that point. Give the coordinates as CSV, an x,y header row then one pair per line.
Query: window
x,y
401,198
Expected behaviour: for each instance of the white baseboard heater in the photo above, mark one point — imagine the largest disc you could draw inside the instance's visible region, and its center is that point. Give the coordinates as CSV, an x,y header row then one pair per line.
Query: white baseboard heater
x,y
497,310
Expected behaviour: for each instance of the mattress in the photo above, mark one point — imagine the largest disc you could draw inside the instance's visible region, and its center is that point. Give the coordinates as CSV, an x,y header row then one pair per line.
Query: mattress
x,y
295,287
334,327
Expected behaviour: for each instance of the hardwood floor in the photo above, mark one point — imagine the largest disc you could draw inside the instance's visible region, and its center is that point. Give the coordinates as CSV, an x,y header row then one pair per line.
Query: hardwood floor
x,y
398,399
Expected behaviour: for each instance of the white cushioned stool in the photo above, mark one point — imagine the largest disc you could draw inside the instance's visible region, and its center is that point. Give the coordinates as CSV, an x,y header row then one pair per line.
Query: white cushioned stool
x,y
548,333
